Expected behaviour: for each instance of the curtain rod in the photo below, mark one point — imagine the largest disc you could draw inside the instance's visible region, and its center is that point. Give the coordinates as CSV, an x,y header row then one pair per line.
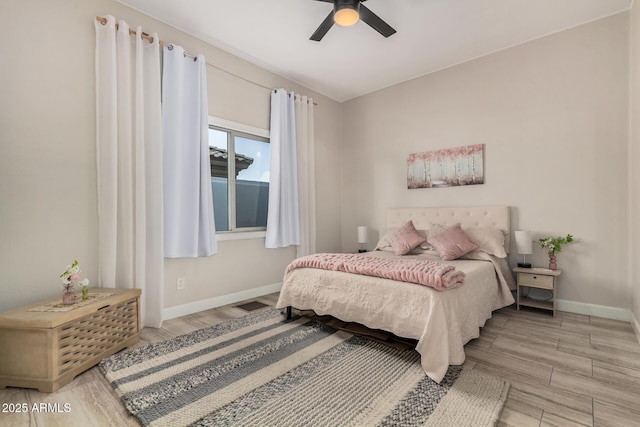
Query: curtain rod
x,y
244,78
145,36
149,38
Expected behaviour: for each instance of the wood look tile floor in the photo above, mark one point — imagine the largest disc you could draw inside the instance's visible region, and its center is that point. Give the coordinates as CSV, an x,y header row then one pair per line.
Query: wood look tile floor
x,y
568,370
571,370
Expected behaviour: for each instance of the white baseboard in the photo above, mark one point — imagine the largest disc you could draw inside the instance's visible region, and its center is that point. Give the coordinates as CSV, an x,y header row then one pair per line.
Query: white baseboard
x,y
194,307
607,312
635,323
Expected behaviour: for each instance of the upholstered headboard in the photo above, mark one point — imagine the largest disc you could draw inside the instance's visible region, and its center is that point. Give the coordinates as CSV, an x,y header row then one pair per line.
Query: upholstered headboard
x,y
467,216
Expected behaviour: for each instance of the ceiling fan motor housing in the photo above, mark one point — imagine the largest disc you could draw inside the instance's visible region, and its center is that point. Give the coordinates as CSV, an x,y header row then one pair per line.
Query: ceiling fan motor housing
x,y
342,4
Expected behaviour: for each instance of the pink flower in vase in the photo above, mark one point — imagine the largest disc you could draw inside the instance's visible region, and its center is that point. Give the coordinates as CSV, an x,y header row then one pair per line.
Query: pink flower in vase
x,y
70,276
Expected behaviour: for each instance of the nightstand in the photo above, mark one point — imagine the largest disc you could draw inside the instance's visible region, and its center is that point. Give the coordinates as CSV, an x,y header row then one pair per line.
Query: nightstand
x,y
539,278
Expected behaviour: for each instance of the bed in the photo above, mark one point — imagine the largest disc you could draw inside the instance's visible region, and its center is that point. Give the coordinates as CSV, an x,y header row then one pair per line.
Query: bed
x,y
441,321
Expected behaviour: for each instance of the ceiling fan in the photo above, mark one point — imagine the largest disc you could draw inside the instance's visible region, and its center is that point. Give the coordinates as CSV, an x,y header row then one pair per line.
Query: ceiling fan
x,y
346,13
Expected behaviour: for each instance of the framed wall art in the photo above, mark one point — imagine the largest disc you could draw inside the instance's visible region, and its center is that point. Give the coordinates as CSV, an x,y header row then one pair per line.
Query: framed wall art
x,y
448,167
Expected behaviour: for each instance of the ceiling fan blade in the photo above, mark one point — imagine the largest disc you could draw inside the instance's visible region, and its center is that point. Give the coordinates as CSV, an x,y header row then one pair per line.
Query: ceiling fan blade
x,y
323,28
375,22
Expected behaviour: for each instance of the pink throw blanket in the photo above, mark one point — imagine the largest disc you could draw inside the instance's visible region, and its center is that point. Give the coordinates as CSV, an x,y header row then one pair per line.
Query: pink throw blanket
x,y
423,272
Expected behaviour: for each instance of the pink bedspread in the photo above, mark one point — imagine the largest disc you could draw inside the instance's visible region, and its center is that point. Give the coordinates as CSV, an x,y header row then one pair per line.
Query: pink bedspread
x,y
423,272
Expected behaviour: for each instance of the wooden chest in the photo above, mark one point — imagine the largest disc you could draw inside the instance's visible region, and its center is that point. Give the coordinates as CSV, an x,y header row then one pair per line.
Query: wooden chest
x,y
48,349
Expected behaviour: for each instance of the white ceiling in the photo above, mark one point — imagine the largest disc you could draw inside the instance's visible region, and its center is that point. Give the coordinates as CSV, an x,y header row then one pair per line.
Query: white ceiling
x,y
353,61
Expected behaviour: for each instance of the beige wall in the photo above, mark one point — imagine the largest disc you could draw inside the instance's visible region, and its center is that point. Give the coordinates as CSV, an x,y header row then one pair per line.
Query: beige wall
x,y
47,154
634,175
552,114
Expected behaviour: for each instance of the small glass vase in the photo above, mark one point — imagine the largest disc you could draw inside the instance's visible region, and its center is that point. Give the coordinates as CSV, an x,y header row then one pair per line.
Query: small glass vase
x,y
553,265
85,293
68,296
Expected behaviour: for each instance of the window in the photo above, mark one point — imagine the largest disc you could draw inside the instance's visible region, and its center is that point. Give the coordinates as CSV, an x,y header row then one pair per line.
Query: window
x,y
240,188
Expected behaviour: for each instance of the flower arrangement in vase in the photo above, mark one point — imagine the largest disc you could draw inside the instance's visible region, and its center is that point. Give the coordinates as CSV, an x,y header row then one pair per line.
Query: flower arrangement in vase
x,y
553,245
69,280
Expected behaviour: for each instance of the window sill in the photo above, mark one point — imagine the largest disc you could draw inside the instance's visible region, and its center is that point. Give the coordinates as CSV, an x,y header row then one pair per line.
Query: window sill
x,y
241,235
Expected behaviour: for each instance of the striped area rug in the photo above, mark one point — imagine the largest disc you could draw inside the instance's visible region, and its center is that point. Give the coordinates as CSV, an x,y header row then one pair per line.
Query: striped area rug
x,y
261,371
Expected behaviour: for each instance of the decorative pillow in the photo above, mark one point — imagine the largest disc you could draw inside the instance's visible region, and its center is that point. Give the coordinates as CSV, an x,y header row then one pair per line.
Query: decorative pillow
x,y
452,243
385,245
404,239
488,239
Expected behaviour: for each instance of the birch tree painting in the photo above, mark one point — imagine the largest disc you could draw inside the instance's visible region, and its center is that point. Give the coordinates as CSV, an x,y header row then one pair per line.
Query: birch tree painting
x,y
448,167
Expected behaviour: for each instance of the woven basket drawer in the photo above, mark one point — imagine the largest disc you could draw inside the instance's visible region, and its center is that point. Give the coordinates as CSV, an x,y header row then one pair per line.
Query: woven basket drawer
x,y
96,333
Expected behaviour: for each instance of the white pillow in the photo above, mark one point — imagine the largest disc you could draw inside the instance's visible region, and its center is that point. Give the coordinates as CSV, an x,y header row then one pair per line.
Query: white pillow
x,y
488,239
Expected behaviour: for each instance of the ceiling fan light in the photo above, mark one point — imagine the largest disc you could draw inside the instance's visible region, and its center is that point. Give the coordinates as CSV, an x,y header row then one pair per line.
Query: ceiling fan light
x,y
346,15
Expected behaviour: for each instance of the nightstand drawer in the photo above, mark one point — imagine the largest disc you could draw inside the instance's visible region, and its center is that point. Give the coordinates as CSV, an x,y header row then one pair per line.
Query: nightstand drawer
x,y
535,280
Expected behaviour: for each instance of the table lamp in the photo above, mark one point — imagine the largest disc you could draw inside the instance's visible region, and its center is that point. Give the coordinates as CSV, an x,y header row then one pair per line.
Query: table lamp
x,y
524,246
362,237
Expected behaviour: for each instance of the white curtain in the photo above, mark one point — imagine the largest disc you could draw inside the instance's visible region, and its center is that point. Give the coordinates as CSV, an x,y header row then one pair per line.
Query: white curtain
x,y
129,161
305,146
283,225
189,229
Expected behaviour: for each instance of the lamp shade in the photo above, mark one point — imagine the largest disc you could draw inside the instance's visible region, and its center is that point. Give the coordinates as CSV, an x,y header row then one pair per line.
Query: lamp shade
x,y
524,242
346,12
362,234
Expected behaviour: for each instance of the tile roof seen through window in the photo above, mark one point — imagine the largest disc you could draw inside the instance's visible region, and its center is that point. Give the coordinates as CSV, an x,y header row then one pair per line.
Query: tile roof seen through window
x,y
219,158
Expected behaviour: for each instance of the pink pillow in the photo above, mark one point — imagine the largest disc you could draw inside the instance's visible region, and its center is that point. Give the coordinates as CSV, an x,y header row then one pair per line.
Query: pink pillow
x,y
404,239
452,243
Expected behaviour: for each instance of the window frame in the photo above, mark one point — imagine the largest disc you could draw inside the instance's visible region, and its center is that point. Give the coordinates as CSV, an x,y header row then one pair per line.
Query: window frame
x,y
245,131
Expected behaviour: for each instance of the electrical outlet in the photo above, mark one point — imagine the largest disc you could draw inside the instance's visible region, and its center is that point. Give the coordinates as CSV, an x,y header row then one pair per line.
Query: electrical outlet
x,y
181,282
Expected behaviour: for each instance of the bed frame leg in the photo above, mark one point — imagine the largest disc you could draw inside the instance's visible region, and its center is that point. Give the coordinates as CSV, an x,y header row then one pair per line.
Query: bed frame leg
x,y
289,314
